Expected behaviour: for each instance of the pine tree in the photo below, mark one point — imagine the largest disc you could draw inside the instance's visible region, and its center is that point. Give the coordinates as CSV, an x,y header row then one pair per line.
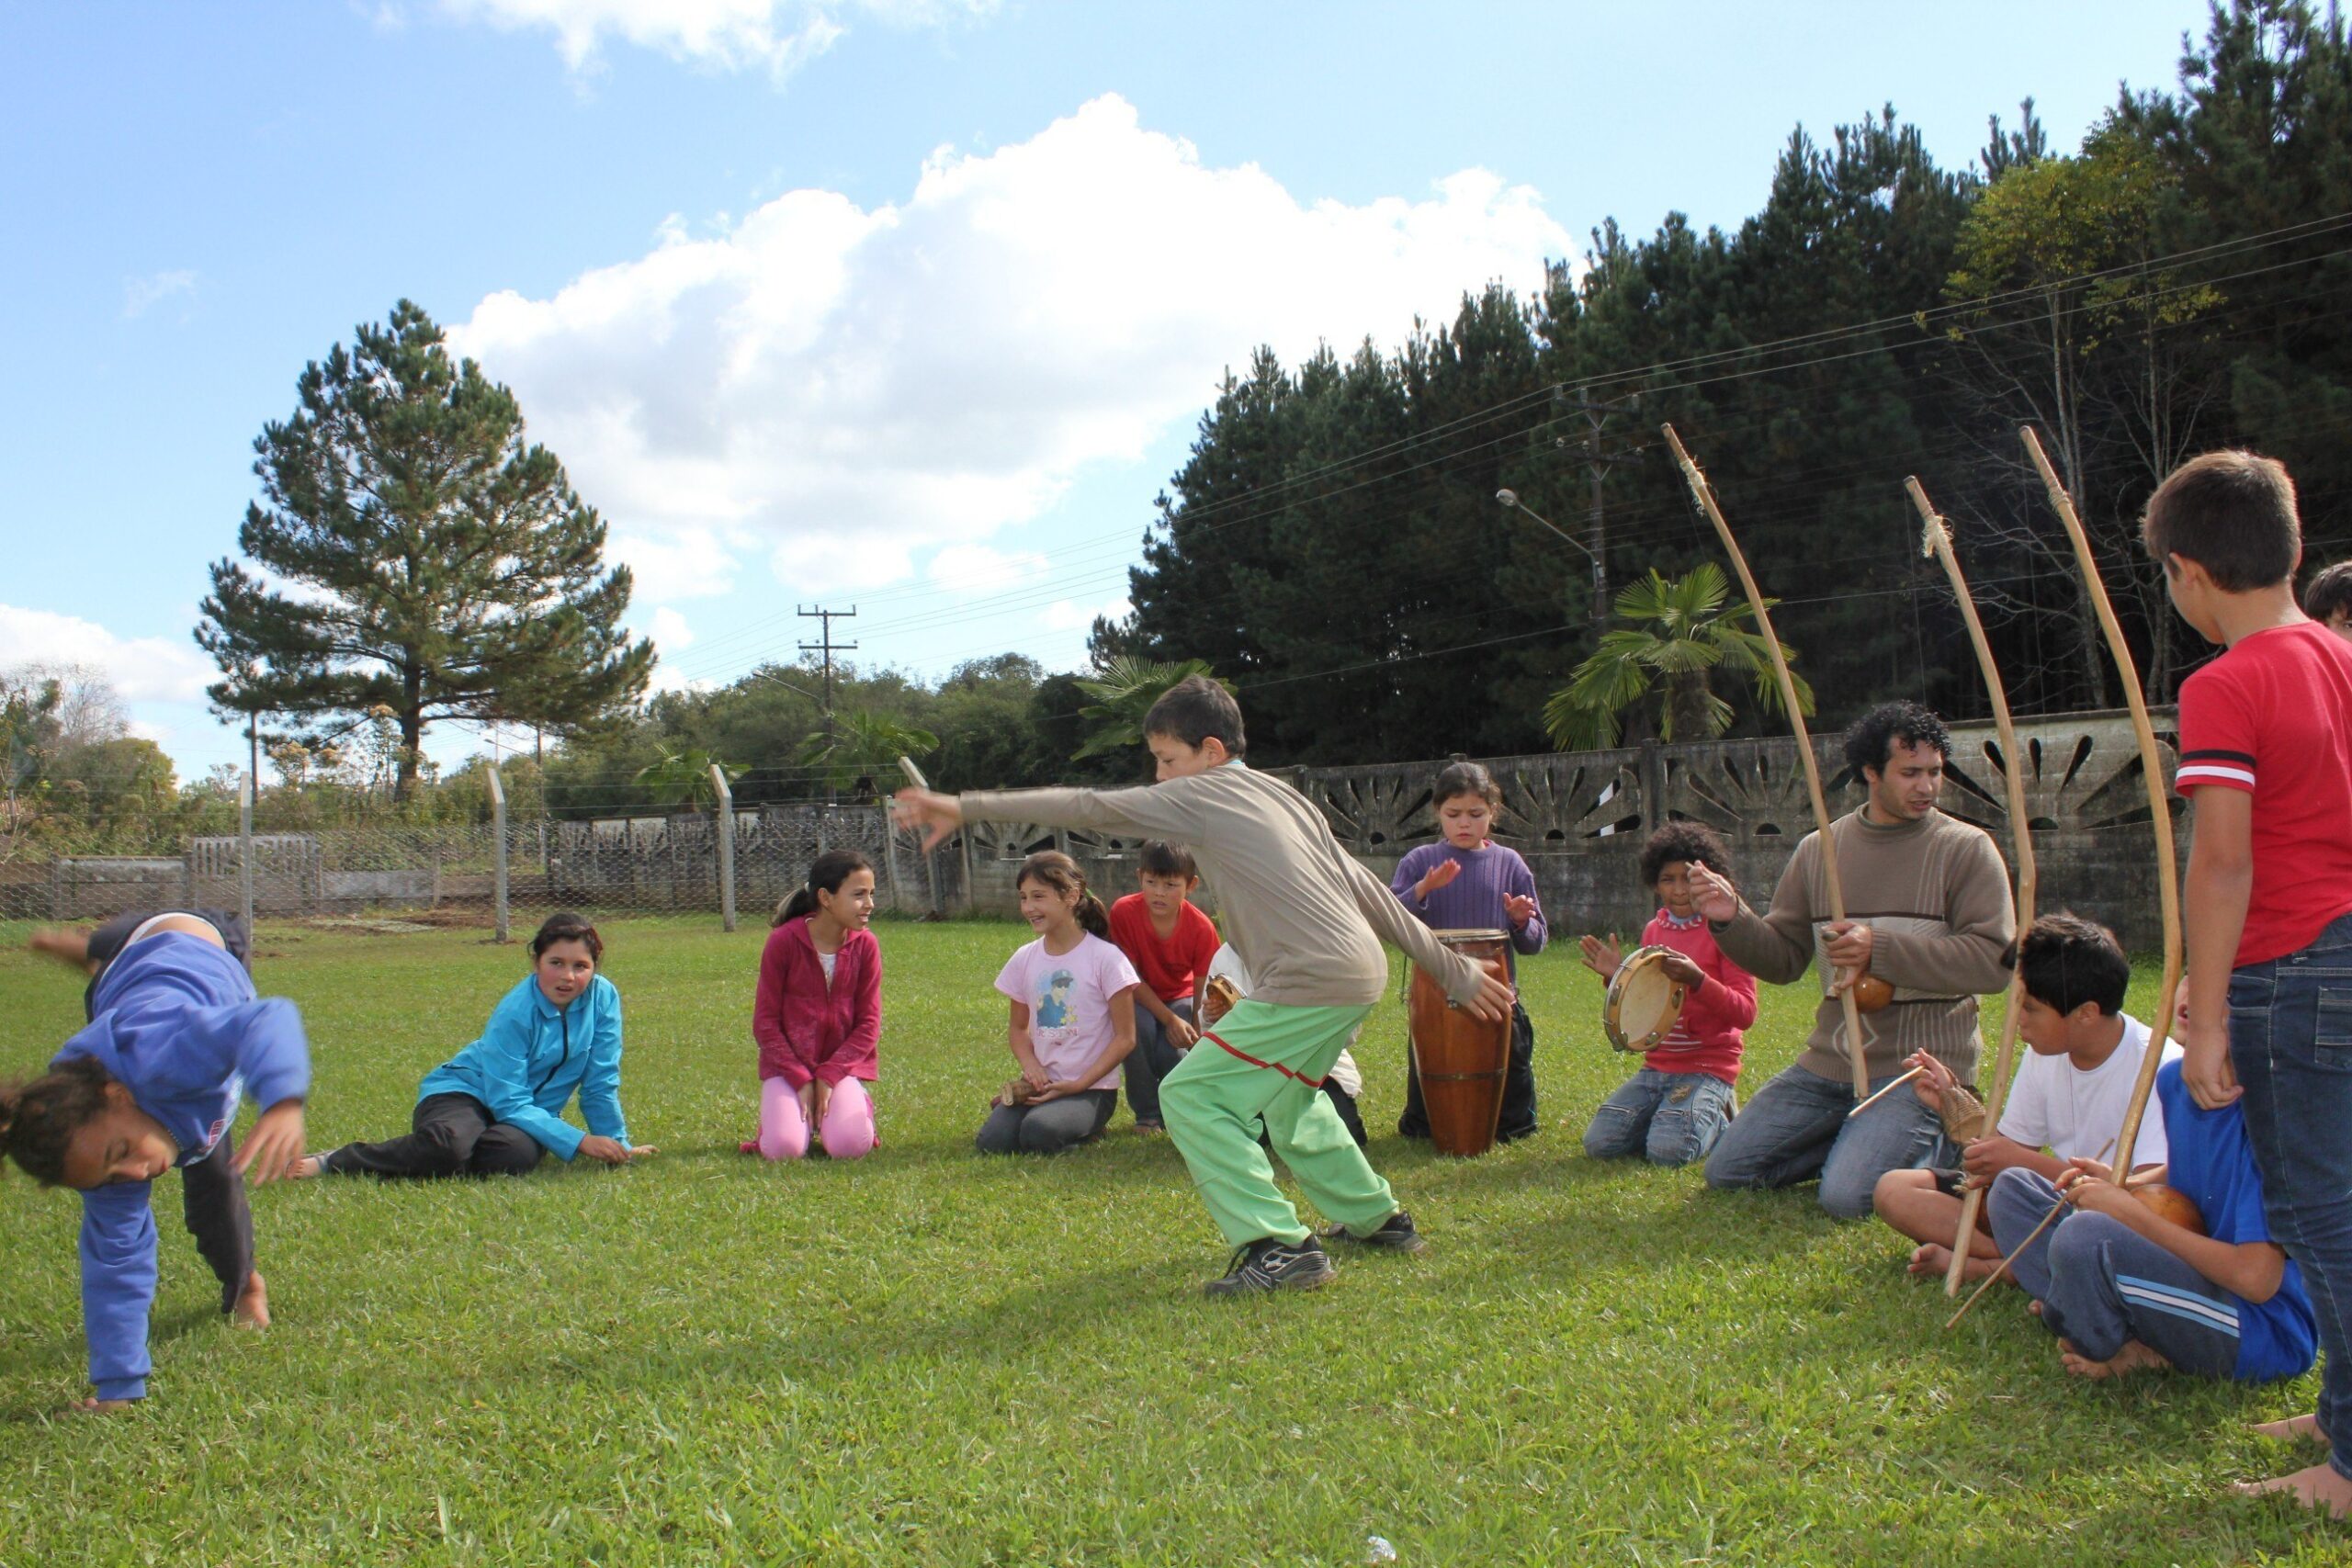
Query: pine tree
x,y
432,562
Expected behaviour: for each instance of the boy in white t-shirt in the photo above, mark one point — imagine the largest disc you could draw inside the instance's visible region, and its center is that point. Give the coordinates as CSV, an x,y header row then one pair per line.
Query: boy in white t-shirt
x,y
2067,1102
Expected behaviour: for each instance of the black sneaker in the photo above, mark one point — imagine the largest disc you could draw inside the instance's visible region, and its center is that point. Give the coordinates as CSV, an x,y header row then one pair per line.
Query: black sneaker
x,y
1270,1265
1395,1233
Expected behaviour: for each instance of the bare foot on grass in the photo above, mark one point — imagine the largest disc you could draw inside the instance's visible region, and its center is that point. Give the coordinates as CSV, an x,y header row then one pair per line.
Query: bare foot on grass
x,y
312,1165
2293,1427
1933,1258
2133,1358
251,1310
2319,1487
98,1407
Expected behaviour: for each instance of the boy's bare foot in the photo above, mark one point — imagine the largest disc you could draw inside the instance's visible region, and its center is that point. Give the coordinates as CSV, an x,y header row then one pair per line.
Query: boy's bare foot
x,y
1933,1258
316,1164
251,1310
2304,1426
2133,1358
98,1407
2318,1487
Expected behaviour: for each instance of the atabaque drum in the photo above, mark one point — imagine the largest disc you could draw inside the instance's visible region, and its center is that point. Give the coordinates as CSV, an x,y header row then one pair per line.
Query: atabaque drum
x,y
1459,1057
1644,1002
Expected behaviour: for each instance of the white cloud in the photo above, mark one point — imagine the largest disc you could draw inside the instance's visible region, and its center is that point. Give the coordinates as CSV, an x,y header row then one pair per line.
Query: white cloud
x,y
670,631
777,36
144,669
1069,614
681,562
852,387
141,294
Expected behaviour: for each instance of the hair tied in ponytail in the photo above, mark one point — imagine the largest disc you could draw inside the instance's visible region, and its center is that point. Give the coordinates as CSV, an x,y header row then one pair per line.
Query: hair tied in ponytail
x,y
826,875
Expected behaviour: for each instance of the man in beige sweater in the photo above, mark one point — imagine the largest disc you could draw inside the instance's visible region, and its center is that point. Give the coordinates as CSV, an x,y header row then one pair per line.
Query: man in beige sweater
x,y
1307,922
1928,910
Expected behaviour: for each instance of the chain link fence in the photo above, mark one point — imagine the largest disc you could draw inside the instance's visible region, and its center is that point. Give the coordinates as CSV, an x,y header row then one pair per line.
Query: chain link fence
x,y
500,877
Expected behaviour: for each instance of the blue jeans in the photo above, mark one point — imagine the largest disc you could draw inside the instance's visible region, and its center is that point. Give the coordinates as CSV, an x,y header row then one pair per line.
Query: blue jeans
x,y
2290,1041
1152,1059
1671,1118
1796,1128
2100,1282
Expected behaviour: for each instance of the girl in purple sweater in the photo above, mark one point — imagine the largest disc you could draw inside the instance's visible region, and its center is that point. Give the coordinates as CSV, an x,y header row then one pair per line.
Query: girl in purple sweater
x,y
1466,880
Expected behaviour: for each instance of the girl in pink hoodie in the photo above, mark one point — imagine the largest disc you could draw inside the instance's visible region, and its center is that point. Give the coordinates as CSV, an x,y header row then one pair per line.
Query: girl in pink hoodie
x,y
817,1016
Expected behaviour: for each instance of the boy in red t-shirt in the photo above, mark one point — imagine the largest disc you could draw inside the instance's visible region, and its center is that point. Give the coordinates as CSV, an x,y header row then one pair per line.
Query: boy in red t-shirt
x,y
1170,943
2266,754
1677,1106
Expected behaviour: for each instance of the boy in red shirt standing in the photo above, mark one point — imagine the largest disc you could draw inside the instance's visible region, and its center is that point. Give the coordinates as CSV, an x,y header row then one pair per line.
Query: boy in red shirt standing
x,y
1170,943
1675,1106
2266,754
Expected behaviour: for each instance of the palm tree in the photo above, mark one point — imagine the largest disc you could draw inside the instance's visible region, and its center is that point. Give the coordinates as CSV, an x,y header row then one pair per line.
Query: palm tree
x,y
863,745
1679,633
1122,693
682,777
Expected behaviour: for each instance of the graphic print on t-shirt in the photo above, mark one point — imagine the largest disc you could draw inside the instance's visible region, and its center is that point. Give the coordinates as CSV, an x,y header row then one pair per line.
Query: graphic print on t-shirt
x,y
1053,1009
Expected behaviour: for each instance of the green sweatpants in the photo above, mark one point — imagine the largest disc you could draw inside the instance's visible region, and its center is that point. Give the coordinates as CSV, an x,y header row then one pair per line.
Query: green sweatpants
x,y
1263,1062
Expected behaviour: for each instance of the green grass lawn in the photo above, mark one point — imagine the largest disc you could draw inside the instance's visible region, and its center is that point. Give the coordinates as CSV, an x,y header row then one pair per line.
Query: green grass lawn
x,y
933,1358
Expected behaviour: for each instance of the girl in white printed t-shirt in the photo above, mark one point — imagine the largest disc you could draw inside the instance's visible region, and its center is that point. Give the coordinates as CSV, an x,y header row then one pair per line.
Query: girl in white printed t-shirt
x,y
1073,1017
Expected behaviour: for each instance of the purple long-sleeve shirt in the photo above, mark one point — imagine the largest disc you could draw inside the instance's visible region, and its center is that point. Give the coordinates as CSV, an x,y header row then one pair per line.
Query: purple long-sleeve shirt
x,y
1473,900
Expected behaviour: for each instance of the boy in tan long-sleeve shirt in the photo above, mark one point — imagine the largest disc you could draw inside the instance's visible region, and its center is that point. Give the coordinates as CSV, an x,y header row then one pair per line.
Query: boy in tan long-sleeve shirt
x,y
1928,910
1307,922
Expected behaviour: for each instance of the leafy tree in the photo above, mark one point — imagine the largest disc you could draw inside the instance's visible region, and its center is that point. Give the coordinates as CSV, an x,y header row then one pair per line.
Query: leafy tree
x,y
1681,632
863,748
2075,327
1122,695
2259,136
434,563
679,777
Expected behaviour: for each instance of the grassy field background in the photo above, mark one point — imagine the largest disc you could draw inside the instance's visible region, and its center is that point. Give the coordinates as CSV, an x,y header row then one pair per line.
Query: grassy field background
x,y
931,1357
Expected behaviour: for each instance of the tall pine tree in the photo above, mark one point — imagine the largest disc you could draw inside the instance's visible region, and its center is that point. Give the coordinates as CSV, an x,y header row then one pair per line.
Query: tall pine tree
x,y
416,553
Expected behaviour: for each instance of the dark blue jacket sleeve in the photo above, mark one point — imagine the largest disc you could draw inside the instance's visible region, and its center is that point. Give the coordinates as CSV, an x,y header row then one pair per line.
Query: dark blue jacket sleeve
x,y
118,1285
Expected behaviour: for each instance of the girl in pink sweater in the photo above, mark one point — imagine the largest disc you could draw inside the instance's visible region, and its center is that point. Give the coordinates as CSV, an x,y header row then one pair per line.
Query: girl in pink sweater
x,y
817,1016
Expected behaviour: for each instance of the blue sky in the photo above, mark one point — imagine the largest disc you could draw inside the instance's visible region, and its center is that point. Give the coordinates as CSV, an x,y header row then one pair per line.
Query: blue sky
x,y
908,304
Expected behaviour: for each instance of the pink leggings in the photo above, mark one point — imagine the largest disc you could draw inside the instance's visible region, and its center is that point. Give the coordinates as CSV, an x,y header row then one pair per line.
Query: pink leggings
x,y
847,1130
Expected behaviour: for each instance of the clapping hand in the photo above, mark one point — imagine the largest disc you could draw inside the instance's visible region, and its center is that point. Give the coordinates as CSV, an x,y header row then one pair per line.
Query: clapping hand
x,y
1601,957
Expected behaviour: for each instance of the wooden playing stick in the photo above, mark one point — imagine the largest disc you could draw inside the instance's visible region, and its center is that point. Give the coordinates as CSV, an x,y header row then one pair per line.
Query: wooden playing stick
x,y
1828,849
2159,801
1881,1094
1938,544
2056,1209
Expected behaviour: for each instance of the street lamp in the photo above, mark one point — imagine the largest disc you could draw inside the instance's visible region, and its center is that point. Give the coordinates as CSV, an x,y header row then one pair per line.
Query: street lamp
x,y
1509,498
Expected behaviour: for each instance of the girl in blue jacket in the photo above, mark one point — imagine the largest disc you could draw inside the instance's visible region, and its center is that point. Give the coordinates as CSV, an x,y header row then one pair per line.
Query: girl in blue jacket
x,y
176,1033
496,1106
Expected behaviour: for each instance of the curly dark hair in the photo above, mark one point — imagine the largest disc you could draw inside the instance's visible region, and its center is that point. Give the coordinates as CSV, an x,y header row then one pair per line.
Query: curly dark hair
x,y
1871,743
1686,841
38,1120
